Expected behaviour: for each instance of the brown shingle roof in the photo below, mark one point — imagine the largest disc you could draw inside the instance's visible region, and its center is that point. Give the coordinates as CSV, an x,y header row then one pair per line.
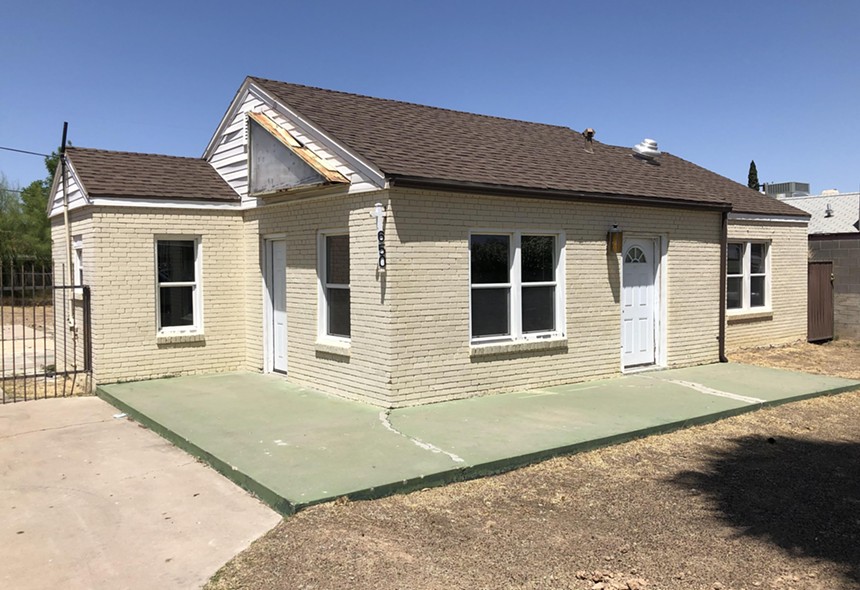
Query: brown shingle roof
x,y
410,140
128,174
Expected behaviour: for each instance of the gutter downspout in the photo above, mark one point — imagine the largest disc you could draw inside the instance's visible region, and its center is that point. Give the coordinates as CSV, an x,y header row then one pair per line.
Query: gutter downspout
x,y
724,246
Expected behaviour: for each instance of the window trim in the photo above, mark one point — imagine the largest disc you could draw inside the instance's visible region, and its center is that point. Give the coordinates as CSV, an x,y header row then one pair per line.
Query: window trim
x,y
197,287
515,285
323,335
746,278
78,265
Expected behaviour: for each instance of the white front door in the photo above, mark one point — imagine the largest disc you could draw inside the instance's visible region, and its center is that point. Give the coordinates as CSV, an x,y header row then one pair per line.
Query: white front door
x,y
276,316
638,302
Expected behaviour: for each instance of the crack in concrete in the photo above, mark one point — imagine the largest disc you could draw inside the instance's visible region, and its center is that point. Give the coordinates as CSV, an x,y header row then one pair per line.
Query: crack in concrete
x,y
50,428
384,417
710,391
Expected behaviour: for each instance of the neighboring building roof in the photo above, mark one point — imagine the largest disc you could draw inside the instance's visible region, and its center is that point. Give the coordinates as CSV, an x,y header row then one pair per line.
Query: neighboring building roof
x,y
421,142
127,174
844,217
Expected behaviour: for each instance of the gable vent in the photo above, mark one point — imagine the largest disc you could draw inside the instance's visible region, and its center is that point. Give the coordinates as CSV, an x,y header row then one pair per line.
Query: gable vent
x,y
646,149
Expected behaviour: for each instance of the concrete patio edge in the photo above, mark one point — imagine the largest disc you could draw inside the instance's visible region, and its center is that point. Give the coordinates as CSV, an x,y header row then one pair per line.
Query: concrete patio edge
x,y
288,507
263,493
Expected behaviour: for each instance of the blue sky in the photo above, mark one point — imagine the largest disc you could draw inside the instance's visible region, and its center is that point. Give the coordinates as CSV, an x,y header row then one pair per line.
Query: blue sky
x,y
717,83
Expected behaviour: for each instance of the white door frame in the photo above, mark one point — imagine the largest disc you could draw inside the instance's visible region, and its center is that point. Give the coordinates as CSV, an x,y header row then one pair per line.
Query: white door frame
x,y
268,315
661,249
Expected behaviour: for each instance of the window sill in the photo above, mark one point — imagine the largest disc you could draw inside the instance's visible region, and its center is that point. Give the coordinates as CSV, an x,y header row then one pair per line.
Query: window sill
x,y
748,315
484,350
179,338
334,347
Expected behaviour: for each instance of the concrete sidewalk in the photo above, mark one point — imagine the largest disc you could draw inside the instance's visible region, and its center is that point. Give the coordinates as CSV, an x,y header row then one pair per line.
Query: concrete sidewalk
x,y
94,502
294,447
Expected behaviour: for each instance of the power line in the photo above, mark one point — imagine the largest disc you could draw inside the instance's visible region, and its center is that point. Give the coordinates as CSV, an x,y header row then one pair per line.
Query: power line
x,y
25,152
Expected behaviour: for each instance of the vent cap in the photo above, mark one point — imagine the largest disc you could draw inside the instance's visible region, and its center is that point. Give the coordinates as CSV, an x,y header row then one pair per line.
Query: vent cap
x,y
646,149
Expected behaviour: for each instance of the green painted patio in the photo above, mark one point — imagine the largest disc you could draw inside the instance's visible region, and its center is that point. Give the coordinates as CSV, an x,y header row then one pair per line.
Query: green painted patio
x,y
294,447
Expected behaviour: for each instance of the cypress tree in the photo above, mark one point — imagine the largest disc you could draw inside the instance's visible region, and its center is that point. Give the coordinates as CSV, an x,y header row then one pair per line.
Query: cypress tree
x,y
752,177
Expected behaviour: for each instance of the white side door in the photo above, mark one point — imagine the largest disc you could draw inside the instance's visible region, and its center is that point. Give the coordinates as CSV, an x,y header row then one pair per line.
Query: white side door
x,y
638,303
276,278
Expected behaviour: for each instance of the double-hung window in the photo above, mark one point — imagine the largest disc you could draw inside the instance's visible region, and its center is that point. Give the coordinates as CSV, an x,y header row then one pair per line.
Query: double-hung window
x,y
516,289
178,285
334,285
747,266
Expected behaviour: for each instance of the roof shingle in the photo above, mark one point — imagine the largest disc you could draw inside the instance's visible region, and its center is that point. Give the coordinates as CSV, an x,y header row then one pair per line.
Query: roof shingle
x,y
411,140
129,174
843,217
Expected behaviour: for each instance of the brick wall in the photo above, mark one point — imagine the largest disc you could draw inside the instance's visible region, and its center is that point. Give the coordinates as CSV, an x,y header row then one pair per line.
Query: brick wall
x,y
363,371
428,290
410,325
120,259
845,255
786,320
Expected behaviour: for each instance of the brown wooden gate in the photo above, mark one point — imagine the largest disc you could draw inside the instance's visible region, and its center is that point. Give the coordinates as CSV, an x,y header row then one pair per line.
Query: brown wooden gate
x,y
820,302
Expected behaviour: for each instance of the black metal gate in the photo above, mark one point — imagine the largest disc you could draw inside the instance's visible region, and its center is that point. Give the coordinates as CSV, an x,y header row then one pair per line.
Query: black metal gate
x,y
46,345
820,302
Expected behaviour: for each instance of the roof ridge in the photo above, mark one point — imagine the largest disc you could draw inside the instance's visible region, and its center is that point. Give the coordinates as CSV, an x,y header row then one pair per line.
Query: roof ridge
x,y
126,153
414,104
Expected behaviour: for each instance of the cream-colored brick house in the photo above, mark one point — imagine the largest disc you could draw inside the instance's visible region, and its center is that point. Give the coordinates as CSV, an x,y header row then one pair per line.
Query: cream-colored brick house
x,y
402,254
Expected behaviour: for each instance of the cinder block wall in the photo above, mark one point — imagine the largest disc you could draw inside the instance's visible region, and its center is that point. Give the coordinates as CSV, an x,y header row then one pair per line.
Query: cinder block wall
x,y
428,289
364,370
120,259
845,255
786,321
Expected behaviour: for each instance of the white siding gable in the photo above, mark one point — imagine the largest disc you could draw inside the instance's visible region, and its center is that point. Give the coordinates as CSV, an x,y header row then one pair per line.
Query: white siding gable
x,y
77,194
228,150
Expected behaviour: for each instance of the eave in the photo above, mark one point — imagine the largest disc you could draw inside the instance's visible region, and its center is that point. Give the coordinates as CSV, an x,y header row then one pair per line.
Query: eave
x,y
552,194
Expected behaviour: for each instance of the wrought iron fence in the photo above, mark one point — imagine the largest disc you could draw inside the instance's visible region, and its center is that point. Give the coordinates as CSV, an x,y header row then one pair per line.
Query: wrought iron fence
x,y
45,347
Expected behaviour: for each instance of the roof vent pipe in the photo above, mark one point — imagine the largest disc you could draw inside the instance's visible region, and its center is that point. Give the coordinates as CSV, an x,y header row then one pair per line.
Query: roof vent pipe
x,y
646,149
588,134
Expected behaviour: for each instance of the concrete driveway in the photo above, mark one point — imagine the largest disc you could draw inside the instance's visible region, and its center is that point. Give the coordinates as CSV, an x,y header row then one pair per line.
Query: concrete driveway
x,y
92,501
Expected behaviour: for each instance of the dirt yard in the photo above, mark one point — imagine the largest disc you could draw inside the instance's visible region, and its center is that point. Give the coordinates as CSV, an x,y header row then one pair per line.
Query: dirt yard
x,y
40,317
840,358
765,500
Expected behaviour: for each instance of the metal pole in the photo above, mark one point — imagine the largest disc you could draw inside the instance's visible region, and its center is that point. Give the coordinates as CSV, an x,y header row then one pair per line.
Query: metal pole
x,y
65,178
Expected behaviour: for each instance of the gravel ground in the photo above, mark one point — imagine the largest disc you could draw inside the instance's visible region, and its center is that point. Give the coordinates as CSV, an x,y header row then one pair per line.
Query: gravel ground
x,y
764,500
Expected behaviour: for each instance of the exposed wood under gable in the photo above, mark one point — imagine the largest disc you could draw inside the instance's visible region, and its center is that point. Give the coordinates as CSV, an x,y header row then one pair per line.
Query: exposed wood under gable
x,y
307,156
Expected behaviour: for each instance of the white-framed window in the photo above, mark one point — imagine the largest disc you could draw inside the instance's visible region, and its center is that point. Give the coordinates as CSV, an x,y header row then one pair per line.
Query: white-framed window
x,y
517,285
78,260
333,275
178,289
747,276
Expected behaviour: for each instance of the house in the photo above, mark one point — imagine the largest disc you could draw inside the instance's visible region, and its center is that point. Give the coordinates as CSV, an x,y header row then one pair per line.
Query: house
x,y
834,236
402,254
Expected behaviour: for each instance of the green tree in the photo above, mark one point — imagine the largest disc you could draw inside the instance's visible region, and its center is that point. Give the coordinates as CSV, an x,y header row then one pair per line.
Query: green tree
x,y
25,231
10,219
752,177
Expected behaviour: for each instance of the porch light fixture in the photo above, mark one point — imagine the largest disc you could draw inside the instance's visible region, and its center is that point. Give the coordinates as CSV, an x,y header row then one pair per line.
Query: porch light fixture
x,y
615,239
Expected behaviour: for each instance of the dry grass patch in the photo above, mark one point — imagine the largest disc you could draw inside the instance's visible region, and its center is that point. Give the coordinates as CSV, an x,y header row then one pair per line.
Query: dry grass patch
x,y
838,358
24,389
